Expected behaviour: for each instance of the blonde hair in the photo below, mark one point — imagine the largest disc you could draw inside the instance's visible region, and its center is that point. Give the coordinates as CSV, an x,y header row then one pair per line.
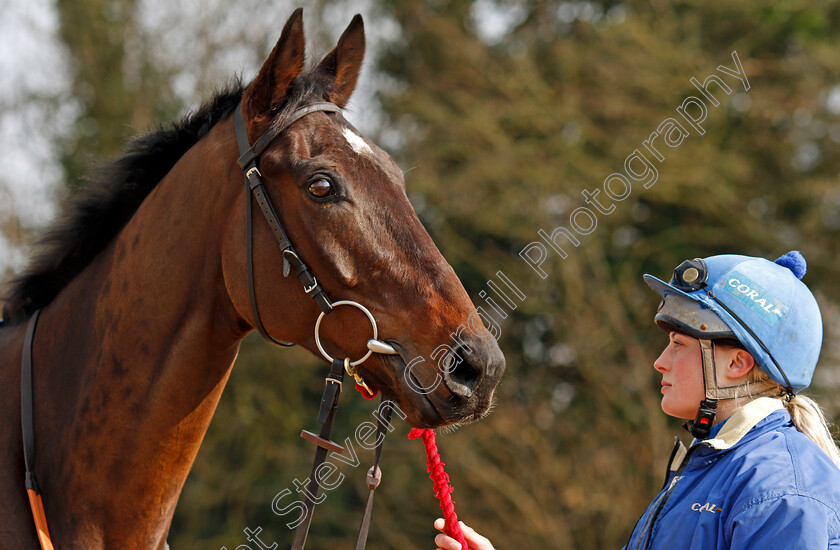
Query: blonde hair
x,y
806,414
809,419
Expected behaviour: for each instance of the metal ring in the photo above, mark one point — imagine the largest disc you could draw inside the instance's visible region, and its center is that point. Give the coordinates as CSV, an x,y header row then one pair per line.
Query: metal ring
x,y
345,303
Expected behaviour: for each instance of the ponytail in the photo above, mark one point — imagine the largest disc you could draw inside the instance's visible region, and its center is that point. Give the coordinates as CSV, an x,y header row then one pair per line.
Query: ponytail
x,y
805,413
809,419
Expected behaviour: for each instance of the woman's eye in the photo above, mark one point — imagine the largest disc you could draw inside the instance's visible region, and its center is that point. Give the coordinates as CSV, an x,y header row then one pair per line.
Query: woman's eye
x,y
320,188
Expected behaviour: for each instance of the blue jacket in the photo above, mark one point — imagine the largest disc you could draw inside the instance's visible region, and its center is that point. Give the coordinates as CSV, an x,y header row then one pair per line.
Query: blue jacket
x,y
758,484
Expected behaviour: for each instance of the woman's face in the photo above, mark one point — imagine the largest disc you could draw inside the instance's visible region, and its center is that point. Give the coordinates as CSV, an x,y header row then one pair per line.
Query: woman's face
x,y
682,376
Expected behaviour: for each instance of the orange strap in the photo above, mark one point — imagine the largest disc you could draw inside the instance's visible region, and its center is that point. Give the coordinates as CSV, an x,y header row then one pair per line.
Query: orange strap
x,y
40,517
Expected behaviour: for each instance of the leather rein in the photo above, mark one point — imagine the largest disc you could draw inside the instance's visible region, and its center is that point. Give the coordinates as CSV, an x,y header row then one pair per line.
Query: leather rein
x,y
255,190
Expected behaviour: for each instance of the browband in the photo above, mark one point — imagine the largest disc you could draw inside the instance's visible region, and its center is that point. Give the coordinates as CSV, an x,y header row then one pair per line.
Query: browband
x,y
250,155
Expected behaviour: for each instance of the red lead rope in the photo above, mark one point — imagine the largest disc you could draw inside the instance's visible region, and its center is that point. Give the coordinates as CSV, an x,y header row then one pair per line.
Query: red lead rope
x,y
441,481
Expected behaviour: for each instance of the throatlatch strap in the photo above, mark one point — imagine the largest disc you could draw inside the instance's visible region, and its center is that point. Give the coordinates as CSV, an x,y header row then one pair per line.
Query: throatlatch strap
x,y
27,427
326,417
374,475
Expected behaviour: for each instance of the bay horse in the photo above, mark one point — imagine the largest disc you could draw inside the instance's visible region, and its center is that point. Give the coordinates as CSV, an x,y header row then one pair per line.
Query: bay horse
x,y
143,300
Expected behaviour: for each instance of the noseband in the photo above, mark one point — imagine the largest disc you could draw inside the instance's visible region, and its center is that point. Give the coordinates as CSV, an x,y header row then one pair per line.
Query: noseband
x,y
249,155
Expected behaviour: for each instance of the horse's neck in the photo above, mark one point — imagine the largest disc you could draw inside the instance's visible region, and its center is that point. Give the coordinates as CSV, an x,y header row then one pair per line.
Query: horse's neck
x,y
135,354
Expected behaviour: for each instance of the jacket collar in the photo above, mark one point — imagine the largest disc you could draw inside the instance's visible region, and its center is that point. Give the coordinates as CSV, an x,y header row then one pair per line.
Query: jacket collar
x,y
733,430
739,424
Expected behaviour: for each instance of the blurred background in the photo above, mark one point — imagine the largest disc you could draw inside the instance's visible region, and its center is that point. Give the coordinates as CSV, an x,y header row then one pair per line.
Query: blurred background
x,y
501,112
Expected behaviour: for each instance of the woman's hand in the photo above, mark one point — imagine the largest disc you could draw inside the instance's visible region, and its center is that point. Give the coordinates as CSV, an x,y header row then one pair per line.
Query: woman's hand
x,y
445,542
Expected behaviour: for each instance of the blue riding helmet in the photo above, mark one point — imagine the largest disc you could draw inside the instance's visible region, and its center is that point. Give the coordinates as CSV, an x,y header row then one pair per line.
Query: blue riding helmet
x,y
764,305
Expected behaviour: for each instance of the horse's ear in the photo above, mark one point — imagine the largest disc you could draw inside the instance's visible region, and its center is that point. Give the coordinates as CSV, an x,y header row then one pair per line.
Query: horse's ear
x,y
341,66
269,88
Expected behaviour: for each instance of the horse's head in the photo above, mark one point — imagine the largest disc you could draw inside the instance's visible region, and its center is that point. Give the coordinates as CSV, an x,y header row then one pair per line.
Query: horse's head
x,y
342,202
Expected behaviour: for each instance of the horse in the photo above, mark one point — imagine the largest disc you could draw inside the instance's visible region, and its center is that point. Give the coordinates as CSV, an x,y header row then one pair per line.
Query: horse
x,y
142,294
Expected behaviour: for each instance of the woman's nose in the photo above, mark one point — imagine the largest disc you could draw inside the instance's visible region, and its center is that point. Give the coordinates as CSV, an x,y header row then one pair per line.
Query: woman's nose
x,y
660,364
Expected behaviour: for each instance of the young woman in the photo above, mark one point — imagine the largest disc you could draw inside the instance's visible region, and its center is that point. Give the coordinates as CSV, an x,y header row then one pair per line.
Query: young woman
x,y
763,470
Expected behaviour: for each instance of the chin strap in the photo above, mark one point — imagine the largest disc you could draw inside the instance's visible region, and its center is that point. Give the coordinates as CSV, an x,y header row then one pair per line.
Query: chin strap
x,y
702,424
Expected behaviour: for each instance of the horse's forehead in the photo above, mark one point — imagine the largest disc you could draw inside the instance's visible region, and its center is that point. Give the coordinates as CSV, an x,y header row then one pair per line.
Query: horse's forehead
x,y
339,144
360,146
357,142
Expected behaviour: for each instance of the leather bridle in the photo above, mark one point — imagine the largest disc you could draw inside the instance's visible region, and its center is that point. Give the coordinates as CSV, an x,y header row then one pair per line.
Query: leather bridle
x,y
249,154
253,180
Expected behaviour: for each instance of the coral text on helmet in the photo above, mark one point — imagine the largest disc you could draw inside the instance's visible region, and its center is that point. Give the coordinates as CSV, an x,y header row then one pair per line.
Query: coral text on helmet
x,y
759,300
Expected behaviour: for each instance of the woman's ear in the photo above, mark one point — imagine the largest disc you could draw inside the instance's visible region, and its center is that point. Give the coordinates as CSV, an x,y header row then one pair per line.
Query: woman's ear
x,y
740,364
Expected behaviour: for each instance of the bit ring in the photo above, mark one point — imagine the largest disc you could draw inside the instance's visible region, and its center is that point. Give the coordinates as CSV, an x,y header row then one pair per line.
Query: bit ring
x,y
346,303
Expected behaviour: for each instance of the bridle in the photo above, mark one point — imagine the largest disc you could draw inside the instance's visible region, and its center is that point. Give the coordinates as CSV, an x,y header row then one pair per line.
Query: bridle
x,y
253,180
249,154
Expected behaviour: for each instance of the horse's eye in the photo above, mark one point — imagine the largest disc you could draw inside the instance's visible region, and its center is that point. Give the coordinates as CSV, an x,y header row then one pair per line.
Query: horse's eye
x,y
320,188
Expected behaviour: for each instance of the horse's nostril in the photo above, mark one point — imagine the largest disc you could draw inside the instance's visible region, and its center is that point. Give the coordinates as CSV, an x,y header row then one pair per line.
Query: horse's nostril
x,y
460,372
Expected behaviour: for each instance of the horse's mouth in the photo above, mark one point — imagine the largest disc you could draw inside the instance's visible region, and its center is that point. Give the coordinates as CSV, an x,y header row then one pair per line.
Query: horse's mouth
x,y
421,409
418,409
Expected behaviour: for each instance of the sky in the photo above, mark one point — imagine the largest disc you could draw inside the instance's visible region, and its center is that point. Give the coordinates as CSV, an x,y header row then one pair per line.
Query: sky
x,y
31,66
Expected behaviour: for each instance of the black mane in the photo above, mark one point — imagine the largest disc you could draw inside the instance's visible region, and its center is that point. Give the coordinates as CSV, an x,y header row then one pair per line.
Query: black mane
x,y
112,196
116,190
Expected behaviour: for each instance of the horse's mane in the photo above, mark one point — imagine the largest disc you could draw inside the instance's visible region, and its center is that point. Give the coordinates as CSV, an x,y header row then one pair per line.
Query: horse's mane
x,y
115,191
111,197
